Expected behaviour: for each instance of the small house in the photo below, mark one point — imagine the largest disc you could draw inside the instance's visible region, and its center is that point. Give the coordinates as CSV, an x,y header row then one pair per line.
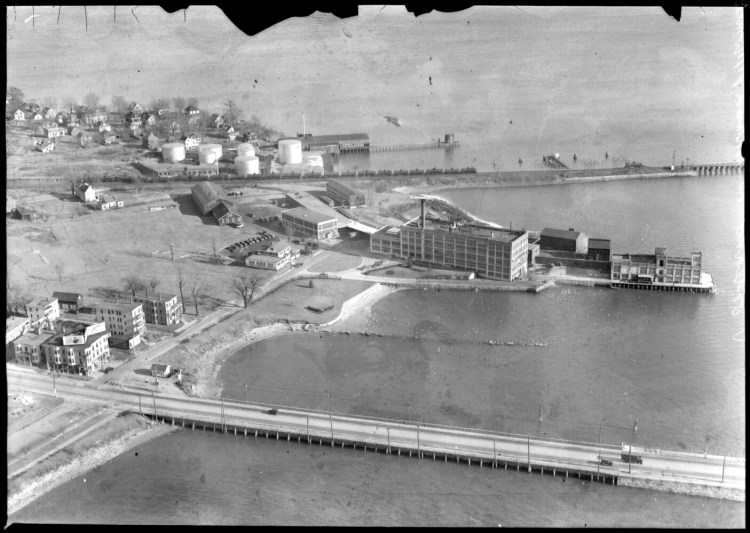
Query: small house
x,y
216,120
160,371
191,111
52,131
135,108
46,146
225,213
108,137
232,135
34,108
20,114
107,202
102,126
174,127
191,141
148,119
83,139
151,142
84,191
49,113
116,117
24,213
132,118
164,112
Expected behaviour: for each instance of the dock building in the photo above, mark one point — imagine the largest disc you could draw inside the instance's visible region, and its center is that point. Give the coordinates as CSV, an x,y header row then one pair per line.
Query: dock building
x,y
564,240
661,271
336,143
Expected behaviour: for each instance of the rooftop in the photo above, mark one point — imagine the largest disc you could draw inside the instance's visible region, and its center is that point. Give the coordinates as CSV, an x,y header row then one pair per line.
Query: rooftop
x,y
31,338
41,302
472,230
14,322
67,296
123,306
600,244
335,138
309,215
57,339
154,296
560,233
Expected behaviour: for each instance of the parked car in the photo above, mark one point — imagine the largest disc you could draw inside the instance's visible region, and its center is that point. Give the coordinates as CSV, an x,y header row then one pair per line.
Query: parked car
x,y
272,411
605,462
108,370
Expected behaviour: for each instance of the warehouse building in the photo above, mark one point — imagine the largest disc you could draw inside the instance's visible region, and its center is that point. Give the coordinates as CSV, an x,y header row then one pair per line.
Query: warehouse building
x,y
344,195
336,143
564,240
208,198
599,250
309,223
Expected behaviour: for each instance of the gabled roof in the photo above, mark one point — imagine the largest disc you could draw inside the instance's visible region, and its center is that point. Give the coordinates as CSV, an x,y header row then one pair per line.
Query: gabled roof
x,y
206,195
224,207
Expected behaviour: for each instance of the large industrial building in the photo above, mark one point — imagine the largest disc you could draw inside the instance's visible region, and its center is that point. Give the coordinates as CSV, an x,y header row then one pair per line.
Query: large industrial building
x,y
309,223
490,252
344,195
208,199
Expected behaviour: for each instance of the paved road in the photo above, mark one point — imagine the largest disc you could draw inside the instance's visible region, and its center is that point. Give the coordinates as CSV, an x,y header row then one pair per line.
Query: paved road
x,y
548,453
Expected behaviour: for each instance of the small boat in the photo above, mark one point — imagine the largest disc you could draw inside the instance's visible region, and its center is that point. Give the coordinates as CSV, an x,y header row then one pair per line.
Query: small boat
x,y
395,121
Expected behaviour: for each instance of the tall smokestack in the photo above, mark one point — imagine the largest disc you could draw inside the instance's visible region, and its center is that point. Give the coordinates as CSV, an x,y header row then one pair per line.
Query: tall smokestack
x,y
421,201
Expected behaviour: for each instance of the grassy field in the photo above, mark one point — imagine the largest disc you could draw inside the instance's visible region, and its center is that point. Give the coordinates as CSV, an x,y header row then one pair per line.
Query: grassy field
x,y
24,408
91,254
336,264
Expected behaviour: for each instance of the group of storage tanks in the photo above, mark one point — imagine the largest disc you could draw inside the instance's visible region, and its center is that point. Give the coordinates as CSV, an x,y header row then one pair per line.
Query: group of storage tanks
x,y
246,163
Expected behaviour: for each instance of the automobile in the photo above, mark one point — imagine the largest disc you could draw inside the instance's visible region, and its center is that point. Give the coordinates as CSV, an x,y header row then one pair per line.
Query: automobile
x,y
605,462
272,411
295,241
108,370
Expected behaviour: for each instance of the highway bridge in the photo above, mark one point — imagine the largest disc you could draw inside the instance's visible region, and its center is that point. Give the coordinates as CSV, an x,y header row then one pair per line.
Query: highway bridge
x,y
682,472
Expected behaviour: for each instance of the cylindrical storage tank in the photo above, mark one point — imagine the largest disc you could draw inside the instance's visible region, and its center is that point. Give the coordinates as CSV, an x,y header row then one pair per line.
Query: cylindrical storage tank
x,y
207,157
247,165
290,151
173,152
245,149
215,148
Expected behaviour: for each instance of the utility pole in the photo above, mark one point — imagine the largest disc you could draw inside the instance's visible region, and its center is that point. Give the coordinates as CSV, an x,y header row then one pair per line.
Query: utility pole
x,y
722,468
388,430
494,452
153,399
308,429
54,386
331,421
222,416
418,452
630,456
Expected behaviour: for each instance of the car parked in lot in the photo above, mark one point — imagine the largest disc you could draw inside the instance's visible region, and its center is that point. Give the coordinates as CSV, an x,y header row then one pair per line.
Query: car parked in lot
x,y
272,411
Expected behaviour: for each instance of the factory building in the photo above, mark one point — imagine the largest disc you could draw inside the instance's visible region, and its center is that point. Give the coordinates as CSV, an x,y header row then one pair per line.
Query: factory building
x,y
309,223
490,252
344,195
564,240
659,268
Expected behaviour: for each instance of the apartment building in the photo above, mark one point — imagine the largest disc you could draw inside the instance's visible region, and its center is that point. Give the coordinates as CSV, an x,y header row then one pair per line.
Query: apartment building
x,y
80,348
43,311
160,308
125,322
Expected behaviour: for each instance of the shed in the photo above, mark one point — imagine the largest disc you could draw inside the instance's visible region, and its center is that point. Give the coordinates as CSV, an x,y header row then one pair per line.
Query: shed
x,y
160,371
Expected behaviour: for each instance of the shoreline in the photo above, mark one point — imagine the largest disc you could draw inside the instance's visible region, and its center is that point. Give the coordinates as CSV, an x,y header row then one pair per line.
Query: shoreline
x,y
93,457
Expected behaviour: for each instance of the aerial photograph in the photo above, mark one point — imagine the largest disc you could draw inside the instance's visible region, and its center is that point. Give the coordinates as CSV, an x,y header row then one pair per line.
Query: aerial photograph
x,y
481,267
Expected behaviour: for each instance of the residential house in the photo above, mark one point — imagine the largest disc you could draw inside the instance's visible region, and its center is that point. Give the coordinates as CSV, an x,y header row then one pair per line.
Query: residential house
x,y
28,347
125,321
84,191
164,112
151,142
46,146
19,115
116,117
92,116
275,257
174,127
161,371
42,311
15,326
61,117
52,131
232,135
72,120
107,202
135,108
73,131
37,117
79,348
191,111
108,137
191,140
10,204
102,126
70,302
216,120
49,113
132,118
83,138
148,119
35,108
160,308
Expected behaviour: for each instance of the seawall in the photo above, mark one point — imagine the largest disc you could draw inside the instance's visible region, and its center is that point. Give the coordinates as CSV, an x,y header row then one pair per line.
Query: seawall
x,y
689,488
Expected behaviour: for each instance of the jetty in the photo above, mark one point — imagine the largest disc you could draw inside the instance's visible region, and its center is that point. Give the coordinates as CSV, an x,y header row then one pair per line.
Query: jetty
x,y
410,146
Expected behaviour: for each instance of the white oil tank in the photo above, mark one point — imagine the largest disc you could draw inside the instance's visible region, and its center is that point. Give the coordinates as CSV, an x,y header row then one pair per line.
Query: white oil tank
x,y
207,157
208,147
247,165
290,151
245,149
173,152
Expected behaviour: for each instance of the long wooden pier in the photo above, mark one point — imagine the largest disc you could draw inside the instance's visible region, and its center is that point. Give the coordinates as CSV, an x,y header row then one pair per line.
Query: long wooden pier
x,y
401,147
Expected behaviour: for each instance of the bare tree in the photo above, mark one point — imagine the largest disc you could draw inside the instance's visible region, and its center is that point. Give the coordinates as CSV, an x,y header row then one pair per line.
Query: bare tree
x,y
233,112
237,255
133,284
49,101
119,103
214,250
244,287
191,100
181,284
138,182
179,103
70,104
160,103
170,242
16,95
59,271
8,283
195,291
91,100
153,284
